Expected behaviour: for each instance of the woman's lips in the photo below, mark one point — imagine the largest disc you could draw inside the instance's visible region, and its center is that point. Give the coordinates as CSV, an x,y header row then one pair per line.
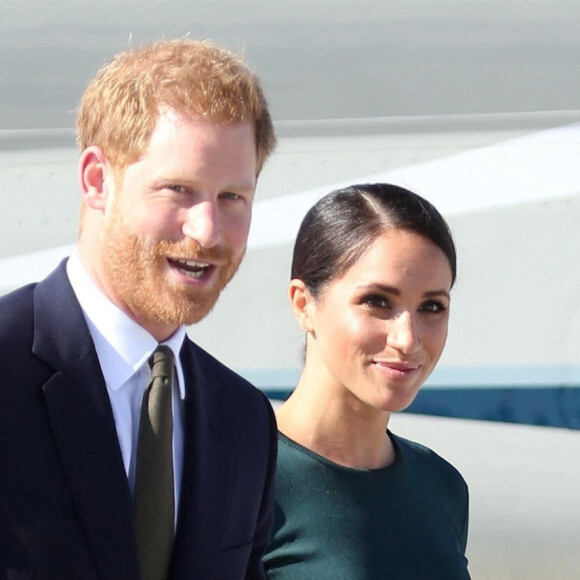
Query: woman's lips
x,y
397,370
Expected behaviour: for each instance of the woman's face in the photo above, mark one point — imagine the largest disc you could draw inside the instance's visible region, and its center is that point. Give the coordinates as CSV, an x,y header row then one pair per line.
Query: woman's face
x,y
377,332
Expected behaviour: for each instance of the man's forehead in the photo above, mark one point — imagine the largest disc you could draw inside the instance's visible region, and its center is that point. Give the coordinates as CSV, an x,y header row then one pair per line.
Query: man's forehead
x,y
169,116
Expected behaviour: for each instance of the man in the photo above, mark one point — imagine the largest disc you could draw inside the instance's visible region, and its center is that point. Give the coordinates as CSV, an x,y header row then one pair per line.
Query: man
x,y
172,138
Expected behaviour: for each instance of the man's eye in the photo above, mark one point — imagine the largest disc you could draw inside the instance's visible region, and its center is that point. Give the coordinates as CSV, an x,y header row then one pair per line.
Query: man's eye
x,y
229,195
177,188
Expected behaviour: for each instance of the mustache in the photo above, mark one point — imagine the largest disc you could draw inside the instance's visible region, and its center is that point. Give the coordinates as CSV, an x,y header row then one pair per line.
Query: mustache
x,y
192,250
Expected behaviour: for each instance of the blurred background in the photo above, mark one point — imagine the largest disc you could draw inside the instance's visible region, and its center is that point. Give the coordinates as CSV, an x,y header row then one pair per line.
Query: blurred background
x,y
475,104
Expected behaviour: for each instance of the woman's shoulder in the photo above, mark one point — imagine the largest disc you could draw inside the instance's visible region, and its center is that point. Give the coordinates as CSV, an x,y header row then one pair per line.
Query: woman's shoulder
x,y
421,458
296,461
293,456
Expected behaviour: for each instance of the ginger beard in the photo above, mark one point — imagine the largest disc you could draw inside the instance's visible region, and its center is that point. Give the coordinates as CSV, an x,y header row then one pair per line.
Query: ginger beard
x,y
139,276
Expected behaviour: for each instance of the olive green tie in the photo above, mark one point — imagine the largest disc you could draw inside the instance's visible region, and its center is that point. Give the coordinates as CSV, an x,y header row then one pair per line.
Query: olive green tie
x,y
154,503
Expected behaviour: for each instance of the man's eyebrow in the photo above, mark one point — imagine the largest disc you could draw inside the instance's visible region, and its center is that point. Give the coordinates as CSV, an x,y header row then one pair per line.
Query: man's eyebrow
x,y
244,186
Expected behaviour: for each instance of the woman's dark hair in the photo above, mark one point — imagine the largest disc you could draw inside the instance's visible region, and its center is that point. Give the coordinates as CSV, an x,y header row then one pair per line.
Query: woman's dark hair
x,y
343,224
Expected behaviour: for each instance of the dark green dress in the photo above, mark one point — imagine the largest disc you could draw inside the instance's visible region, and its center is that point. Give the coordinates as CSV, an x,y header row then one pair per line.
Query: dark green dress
x,y
407,521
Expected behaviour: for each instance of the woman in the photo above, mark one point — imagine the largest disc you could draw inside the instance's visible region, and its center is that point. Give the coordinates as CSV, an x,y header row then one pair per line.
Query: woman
x,y
372,272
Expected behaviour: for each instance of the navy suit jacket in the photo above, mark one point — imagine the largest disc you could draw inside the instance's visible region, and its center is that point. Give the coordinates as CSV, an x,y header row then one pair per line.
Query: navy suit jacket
x,y
65,506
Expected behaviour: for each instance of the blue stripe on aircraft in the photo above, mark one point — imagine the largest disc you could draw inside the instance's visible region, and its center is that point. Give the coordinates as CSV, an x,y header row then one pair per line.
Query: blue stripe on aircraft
x,y
543,406
548,406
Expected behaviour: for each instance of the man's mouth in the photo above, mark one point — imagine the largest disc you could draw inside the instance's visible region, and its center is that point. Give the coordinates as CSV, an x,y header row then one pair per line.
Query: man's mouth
x,y
191,268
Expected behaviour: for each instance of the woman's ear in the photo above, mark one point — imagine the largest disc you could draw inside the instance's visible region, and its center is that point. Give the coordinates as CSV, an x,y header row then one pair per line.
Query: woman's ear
x,y
93,172
302,303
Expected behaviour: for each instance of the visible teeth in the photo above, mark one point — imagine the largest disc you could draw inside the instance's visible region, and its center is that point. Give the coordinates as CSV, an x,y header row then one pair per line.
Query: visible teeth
x,y
192,268
192,264
190,274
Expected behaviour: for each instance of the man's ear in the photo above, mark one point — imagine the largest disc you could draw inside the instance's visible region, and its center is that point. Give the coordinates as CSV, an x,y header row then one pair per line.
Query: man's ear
x,y
95,173
302,303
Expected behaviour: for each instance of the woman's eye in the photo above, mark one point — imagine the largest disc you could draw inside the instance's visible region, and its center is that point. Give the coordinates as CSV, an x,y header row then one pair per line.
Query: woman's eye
x,y
376,301
433,307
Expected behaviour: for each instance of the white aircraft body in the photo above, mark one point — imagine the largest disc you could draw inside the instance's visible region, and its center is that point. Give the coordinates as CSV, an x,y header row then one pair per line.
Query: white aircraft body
x,y
504,403
513,354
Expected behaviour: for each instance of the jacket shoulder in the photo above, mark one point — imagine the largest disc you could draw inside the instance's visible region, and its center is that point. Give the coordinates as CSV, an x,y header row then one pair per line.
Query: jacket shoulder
x,y
19,367
239,400
217,370
16,317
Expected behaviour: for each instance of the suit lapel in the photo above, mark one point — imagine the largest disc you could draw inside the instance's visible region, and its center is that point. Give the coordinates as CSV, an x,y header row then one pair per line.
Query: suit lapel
x,y
207,470
83,427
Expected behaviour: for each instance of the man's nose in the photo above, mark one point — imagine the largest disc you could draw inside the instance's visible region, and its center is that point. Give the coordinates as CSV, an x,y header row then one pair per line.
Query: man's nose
x,y
202,223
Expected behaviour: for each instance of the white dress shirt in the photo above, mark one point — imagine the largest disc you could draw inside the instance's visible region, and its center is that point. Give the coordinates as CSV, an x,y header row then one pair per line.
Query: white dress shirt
x,y
123,348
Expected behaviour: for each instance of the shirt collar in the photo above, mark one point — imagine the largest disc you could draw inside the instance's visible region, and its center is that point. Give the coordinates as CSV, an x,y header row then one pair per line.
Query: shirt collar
x,y
122,346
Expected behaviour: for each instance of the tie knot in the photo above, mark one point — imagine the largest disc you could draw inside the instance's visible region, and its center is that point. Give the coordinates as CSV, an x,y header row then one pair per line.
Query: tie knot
x,y
161,362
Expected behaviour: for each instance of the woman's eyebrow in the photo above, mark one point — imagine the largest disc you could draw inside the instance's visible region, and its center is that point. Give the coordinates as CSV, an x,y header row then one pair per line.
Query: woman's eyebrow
x,y
396,292
381,287
435,293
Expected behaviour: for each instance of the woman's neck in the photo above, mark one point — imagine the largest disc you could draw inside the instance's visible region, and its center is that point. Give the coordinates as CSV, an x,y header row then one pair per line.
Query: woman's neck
x,y
336,425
